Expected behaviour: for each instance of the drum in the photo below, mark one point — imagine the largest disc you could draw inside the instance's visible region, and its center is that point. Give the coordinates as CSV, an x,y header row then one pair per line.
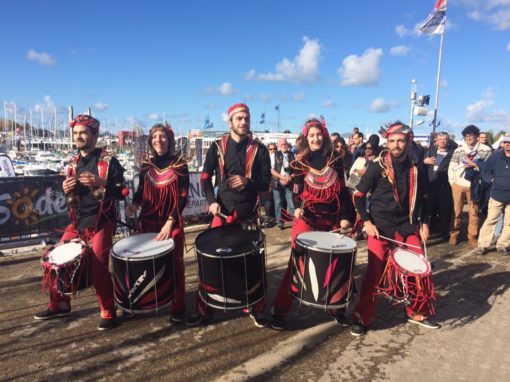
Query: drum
x,y
231,267
323,269
143,273
407,279
66,266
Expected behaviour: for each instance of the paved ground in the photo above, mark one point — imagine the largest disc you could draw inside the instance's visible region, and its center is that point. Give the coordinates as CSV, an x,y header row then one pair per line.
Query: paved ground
x,y
473,307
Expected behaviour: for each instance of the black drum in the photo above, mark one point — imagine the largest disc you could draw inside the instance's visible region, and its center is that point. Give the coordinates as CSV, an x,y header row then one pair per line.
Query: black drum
x,y
231,267
143,273
323,269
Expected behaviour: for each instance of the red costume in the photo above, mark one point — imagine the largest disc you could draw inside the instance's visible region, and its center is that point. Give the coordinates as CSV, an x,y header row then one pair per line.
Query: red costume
x,y
319,188
163,193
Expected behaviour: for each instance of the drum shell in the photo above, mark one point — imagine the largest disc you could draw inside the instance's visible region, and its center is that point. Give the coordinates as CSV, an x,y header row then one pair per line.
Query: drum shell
x,y
144,285
72,277
232,281
320,278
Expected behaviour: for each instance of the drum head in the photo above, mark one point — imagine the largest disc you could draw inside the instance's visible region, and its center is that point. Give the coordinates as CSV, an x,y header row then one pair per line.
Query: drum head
x,y
142,246
411,262
327,241
65,253
228,240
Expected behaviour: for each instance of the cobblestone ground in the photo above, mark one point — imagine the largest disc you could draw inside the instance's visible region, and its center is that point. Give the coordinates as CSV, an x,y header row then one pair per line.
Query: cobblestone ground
x,y
473,306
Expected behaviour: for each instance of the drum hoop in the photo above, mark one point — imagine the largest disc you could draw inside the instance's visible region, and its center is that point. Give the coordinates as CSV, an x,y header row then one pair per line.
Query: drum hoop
x,y
134,259
323,306
84,248
224,307
243,254
138,311
336,251
408,272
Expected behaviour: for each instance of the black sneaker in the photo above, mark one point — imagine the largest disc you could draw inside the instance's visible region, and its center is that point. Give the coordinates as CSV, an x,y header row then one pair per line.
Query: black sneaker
x,y
341,319
358,330
107,323
426,323
278,323
259,319
281,225
49,314
177,318
196,319
479,251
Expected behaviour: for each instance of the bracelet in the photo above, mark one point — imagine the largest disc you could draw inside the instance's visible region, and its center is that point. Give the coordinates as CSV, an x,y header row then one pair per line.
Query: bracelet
x,y
170,219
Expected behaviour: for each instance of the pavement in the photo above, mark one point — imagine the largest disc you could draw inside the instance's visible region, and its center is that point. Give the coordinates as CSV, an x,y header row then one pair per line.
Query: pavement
x,y
473,306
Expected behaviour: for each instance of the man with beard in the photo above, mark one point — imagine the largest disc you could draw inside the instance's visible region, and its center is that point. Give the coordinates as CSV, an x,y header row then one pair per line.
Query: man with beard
x,y
95,179
242,169
398,211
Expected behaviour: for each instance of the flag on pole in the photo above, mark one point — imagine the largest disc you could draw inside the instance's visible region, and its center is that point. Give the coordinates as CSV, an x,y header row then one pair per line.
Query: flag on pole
x,y
436,20
262,118
277,107
207,124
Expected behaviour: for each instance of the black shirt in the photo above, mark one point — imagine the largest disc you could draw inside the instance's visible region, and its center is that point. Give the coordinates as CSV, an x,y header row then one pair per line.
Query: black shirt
x,y
243,201
386,212
88,206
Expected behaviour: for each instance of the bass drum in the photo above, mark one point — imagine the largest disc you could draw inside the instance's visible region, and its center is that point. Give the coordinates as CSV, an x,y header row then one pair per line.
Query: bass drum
x,y
231,267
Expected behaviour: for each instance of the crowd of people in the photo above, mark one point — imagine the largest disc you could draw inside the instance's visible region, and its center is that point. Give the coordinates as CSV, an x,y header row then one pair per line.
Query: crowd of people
x,y
396,192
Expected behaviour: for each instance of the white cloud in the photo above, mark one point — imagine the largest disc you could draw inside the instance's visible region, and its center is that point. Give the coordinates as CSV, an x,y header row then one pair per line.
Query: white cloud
x,y
361,70
328,103
224,117
508,47
493,12
265,97
225,89
483,111
101,106
299,96
304,67
402,31
133,121
153,117
42,58
380,105
400,50
47,106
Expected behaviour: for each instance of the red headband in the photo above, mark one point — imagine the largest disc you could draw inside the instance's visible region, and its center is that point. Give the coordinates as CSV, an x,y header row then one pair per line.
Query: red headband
x,y
86,120
236,109
396,129
320,124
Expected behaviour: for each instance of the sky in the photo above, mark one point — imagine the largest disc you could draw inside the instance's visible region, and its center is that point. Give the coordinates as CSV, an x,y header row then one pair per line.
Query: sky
x,y
139,62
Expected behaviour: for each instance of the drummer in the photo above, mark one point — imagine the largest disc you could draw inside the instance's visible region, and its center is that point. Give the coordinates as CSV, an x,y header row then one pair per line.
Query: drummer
x,y
242,170
321,208
398,211
162,195
95,179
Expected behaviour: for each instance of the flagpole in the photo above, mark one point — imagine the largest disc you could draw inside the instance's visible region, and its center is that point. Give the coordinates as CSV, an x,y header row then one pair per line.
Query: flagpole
x,y
434,121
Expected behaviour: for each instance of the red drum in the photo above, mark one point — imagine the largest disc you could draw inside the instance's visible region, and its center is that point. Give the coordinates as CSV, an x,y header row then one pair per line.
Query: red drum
x,y
66,267
231,267
407,279
323,269
143,273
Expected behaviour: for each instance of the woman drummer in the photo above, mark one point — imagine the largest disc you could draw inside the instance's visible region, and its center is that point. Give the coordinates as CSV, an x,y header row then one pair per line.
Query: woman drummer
x,y
162,195
325,205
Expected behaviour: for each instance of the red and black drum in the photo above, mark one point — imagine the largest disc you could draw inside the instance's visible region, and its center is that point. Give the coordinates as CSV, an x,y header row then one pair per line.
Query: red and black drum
x,y
66,266
231,267
143,271
323,269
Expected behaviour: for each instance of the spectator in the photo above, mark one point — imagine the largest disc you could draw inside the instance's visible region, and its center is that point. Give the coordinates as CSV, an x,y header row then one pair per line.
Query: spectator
x,y
464,178
281,182
360,165
357,139
496,171
340,146
440,192
333,137
267,197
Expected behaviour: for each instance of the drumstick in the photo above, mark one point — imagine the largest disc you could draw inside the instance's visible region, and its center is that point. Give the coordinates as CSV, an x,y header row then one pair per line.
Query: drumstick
x,y
399,242
342,230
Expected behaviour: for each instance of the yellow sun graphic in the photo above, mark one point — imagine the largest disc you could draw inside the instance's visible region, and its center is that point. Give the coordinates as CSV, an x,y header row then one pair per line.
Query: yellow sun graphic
x,y
22,207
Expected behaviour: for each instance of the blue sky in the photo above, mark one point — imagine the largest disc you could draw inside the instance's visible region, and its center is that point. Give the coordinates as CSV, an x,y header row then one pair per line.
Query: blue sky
x,y
351,61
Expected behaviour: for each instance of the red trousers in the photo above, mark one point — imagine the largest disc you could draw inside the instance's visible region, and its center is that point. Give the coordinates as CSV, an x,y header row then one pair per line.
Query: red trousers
x,y
378,249
200,306
100,276
179,305
282,302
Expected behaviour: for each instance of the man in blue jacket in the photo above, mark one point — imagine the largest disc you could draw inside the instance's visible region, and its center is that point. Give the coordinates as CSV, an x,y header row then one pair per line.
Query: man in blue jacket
x,y
496,171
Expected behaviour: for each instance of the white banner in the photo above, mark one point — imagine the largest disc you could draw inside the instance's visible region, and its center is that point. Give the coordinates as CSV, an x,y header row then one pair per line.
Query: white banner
x,y
6,167
197,204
